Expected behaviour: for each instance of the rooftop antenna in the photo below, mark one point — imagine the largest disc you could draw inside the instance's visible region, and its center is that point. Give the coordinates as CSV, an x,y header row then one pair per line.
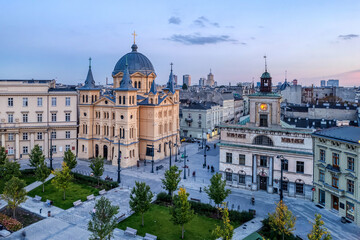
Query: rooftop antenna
x,y
171,64
265,63
89,62
134,34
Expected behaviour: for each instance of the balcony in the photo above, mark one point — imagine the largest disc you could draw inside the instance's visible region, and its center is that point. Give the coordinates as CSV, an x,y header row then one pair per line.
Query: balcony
x,y
189,120
334,191
333,168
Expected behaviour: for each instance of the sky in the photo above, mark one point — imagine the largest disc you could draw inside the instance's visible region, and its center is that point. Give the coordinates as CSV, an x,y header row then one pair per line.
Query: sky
x,y
311,40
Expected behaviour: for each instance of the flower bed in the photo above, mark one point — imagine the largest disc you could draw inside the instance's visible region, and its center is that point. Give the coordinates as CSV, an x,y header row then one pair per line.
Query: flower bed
x,y
9,223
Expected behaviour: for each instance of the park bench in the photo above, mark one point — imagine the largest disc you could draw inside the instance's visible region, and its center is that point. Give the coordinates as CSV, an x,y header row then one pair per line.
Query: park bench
x,y
77,203
119,218
195,199
102,192
90,197
150,237
159,167
130,231
37,198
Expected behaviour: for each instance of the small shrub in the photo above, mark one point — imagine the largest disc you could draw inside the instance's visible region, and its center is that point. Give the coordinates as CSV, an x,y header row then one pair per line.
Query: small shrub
x,y
163,197
9,223
240,217
94,181
203,208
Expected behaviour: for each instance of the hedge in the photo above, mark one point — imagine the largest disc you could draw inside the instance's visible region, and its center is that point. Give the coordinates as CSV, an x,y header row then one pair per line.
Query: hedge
x,y
9,223
94,181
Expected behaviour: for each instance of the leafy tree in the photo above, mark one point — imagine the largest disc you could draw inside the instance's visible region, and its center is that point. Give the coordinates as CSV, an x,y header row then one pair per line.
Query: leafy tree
x,y
181,212
70,159
62,178
41,173
103,222
184,87
319,232
140,199
282,221
216,191
14,193
97,167
11,169
172,179
225,230
36,157
3,156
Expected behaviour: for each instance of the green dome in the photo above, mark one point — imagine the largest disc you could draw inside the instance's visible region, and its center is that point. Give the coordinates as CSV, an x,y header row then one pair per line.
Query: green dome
x,y
265,75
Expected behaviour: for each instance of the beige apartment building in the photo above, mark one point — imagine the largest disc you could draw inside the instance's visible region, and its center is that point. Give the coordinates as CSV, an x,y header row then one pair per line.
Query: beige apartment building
x,y
336,170
131,118
37,112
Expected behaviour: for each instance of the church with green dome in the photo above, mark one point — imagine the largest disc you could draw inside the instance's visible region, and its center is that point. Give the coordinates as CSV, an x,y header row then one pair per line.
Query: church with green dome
x,y
135,120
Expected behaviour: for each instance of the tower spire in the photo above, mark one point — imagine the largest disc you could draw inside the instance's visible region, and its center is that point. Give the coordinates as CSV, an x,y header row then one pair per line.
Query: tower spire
x,y
285,75
89,62
171,64
265,63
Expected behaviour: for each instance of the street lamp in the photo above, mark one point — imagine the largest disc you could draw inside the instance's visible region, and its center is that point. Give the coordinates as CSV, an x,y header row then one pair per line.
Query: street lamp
x,y
283,161
204,165
152,159
184,156
169,143
119,162
51,151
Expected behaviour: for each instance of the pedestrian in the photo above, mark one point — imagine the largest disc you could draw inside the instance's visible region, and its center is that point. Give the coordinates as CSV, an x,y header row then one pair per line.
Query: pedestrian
x,y
23,235
208,168
200,189
93,212
214,145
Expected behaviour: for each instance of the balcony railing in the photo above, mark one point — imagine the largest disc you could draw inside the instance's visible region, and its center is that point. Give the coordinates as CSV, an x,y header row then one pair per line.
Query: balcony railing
x,y
188,119
333,168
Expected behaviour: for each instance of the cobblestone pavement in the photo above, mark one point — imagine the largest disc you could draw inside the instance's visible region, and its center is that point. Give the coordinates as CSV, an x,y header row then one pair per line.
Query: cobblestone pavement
x,y
75,226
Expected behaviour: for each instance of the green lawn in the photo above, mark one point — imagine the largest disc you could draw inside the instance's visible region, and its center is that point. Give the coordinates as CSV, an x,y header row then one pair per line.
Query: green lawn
x,y
28,178
75,192
157,222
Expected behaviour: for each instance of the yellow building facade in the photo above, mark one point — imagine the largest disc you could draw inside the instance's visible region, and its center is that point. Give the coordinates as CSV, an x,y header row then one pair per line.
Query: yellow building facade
x,y
132,116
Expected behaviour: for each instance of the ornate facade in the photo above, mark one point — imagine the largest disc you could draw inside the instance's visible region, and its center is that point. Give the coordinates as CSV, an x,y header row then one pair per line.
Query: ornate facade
x,y
134,115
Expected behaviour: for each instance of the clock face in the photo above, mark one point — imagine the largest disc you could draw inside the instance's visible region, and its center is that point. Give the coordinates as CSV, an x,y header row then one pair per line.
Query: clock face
x,y
263,107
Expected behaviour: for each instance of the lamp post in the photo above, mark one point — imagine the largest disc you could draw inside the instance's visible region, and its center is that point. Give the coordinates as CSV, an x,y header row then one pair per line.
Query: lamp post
x,y
176,145
204,165
119,162
283,161
170,152
152,159
185,163
51,151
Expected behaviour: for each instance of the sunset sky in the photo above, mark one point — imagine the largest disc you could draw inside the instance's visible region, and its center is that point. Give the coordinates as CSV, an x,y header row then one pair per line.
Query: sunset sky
x,y
312,40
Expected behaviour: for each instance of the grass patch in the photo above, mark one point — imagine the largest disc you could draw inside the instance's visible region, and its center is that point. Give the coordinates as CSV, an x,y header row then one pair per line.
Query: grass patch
x,y
75,192
28,177
157,222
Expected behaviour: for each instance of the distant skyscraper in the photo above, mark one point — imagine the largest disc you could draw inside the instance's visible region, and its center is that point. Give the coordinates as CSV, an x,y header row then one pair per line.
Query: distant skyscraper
x,y
210,79
187,80
323,83
333,83
175,79
202,82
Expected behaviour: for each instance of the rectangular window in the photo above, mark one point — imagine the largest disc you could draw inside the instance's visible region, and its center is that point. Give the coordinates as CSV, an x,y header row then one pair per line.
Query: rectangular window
x,y
53,148
25,117
10,102
285,165
67,117
25,102
335,182
299,167
241,159
10,151
335,159
53,117
25,150
299,188
39,117
67,134
322,155
41,148
321,175
199,124
351,163
263,161
67,101
350,186
67,148
11,137
241,179
199,116
39,136
285,186
39,101
25,136
53,135
321,197
228,176
10,118
263,120
228,157
53,101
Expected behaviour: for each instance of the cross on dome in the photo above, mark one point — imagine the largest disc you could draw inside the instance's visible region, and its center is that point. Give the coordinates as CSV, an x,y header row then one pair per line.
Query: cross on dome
x,y
134,34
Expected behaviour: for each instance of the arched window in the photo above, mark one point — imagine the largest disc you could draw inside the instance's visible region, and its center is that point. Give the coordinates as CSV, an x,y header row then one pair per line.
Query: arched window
x,y
133,99
135,84
92,98
151,101
123,99
95,98
263,140
87,99
139,84
119,99
83,98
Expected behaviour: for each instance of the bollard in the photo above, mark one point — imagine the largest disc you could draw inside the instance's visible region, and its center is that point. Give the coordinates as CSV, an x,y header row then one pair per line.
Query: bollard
x,y
40,210
49,213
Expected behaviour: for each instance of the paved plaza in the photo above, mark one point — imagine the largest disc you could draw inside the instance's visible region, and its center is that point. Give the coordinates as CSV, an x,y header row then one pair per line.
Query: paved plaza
x,y
72,223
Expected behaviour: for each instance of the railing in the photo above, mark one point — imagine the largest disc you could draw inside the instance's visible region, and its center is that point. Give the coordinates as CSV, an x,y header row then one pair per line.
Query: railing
x,y
333,168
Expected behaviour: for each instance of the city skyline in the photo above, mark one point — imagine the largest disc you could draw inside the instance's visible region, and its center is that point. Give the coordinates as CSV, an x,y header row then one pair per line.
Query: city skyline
x,y
311,41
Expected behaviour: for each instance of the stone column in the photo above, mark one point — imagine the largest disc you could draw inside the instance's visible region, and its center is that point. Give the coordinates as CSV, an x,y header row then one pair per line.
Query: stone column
x,y
17,146
270,180
254,179
32,141
46,145
3,140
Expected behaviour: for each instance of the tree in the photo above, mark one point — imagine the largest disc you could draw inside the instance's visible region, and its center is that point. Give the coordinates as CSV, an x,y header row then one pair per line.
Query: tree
x,y
225,230
172,179
41,173
140,199
70,159
11,169
319,232
3,156
36,157
184,87
216,191
14,193
181,212
282,221
103,221
97,167
62,178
